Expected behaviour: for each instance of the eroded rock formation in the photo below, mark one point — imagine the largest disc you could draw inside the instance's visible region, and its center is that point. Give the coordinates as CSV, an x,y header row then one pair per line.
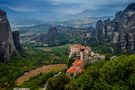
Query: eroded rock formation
x,y
16,40
51,37
127,29
119,31
7,48
9,44
100,33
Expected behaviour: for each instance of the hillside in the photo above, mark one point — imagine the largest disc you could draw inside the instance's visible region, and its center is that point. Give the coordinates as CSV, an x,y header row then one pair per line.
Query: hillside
x,y
81,53
33,59
118,73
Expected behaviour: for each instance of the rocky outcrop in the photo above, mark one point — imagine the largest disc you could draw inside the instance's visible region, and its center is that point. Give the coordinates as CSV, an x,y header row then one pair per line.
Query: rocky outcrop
x,y
119,31
7,47
105,31
16,40
127,29
100,33
51,38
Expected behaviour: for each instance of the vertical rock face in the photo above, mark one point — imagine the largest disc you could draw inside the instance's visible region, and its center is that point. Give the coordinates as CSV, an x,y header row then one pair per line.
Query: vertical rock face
x,y
109,27
100,33
51,36
117,16
7,48
16,40
105,31
120,31
127,29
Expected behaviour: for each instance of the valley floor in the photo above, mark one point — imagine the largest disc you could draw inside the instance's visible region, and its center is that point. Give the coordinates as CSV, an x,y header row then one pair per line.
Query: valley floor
x,y
34,68
39,70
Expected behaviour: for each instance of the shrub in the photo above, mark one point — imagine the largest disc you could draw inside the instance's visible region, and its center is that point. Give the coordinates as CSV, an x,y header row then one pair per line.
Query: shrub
x,y
117,74
38,81
57,83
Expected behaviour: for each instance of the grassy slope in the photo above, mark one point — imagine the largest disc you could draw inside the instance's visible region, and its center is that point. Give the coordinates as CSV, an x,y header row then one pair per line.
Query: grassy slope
x,y
39,70
35,58
117,74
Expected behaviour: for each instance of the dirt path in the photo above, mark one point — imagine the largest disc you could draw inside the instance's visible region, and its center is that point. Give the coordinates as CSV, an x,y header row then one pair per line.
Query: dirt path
x,y
35,72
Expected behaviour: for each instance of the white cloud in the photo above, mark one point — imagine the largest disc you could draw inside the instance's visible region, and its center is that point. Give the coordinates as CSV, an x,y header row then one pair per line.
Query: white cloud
x,y
92,3
22,8
69,11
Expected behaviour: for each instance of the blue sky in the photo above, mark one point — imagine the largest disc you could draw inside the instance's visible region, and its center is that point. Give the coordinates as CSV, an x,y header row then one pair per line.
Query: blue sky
x,y
52,9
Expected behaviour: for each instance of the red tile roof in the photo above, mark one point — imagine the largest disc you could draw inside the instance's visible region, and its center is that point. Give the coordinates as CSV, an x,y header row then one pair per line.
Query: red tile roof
x,y
77,67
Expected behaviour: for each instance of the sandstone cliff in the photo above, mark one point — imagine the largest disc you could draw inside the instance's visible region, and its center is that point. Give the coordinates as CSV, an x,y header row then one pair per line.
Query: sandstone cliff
x,y
16,40
51,38
120,31
7,47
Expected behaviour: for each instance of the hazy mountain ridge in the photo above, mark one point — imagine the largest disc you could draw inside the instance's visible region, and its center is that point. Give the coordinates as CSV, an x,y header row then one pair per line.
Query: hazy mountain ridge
x,y
87,14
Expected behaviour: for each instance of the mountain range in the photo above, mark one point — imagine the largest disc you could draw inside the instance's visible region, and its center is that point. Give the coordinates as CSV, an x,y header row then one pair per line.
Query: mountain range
x,y
83,19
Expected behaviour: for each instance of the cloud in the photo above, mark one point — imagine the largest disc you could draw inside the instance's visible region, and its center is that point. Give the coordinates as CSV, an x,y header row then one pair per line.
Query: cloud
x,y
22,8
59,8
94,4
